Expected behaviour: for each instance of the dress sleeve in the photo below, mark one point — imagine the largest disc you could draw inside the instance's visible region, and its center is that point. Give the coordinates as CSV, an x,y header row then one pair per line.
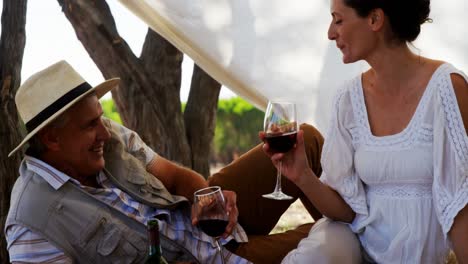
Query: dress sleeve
x,y
133,142
450,186
338,157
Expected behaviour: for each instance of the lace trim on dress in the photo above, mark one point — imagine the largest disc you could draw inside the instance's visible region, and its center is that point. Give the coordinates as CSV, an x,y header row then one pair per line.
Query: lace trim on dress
x,y
401,190
414,133
359,206
453,117
449,212
333,122
359,112
425,134
448,205
349,187
352,196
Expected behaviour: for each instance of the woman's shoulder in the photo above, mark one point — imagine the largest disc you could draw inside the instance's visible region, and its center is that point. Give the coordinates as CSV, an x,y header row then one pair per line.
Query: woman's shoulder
x,y
452,89
344,97
445,76
442,69
450,77
460,87
348,88
347,103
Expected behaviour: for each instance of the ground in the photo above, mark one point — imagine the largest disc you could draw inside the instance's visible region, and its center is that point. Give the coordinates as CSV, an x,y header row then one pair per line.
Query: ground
x,y
294,216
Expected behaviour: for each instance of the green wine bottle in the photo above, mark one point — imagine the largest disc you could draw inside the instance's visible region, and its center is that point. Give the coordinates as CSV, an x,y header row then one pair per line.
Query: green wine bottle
x,y
155,252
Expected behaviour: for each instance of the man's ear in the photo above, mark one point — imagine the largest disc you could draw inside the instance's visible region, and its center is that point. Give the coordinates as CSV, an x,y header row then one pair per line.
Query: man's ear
x,y
50,138
376,19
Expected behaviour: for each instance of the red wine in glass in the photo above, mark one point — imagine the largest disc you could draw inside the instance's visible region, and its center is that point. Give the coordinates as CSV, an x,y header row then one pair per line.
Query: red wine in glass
x,y
210,209
281,142
213,227
280,127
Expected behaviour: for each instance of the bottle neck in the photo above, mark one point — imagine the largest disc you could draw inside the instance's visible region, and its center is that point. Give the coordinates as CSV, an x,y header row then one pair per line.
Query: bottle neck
x,y
155,250
154,243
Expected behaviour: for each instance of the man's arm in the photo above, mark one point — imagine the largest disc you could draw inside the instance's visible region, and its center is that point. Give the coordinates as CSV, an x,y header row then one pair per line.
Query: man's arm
x,y
182,181
177,179
25,246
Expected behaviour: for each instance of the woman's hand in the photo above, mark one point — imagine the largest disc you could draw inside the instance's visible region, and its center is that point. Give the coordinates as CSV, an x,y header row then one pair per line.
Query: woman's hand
x,y
294,163
296,168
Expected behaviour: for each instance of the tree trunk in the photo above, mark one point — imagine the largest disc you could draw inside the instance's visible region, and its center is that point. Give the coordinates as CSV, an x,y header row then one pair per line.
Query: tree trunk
x,y
200,117
12,42
148,98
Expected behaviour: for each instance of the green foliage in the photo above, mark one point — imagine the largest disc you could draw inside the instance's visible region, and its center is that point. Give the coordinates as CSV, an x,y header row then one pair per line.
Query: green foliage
x,y
110,110
237,126
183,105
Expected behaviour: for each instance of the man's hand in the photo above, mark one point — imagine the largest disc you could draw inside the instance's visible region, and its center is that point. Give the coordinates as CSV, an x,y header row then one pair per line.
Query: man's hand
x,y
231,210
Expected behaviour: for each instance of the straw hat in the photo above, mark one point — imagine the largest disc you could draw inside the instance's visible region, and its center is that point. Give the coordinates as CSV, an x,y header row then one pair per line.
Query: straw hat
x,y
49,93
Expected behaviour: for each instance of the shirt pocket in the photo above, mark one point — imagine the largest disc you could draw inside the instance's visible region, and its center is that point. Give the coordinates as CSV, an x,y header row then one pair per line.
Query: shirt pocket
x,y
173,252
109,242
147,184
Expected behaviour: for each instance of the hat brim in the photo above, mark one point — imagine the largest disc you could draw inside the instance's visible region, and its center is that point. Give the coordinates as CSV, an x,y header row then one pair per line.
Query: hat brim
x,y
100,91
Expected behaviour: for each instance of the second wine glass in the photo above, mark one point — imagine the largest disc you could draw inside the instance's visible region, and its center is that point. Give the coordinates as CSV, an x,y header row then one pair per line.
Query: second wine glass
x,y
210,209
280,126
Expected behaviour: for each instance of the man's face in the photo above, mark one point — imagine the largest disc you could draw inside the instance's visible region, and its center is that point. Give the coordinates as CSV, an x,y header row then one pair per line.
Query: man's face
x,y
80,142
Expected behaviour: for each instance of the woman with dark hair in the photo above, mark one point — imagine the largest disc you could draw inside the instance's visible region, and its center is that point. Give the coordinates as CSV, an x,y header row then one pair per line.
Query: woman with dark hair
x,y
395,159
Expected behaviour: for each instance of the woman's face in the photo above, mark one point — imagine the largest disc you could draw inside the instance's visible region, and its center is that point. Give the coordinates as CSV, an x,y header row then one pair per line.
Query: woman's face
x,y
353,34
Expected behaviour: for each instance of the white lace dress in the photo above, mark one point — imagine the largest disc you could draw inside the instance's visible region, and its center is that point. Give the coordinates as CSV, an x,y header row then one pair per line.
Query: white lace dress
x,y
407,188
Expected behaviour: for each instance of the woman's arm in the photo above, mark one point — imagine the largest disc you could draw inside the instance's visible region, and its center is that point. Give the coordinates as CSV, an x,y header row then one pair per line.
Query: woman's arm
x,y
461,91
296,168
459,232
327,200
459,236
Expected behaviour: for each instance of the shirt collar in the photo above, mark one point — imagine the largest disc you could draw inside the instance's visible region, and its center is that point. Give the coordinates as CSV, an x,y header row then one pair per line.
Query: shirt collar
x,y
51,175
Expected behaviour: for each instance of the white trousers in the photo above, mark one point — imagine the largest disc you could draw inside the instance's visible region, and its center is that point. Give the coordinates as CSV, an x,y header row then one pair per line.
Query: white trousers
x,y
328,242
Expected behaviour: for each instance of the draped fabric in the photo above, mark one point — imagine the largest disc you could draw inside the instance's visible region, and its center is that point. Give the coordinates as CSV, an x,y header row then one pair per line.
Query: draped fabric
x,y
272,49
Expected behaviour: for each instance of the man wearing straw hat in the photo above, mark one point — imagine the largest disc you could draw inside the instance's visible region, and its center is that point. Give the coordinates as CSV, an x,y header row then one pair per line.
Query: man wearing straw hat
x,y
87,186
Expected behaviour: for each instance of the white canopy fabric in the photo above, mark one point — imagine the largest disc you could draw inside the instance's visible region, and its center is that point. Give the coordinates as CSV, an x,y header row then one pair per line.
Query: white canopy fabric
x,y
272,49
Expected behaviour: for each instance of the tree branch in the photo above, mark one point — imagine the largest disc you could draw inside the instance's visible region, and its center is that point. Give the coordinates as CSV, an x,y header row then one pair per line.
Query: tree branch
x,y
12,42
142,98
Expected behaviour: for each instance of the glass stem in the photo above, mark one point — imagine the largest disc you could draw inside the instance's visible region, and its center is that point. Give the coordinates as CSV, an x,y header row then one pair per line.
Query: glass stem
x,y
220,250
278,178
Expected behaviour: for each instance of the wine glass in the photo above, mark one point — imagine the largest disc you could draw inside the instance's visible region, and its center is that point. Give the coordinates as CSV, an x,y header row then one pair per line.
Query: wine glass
x,y
280,126
210,209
